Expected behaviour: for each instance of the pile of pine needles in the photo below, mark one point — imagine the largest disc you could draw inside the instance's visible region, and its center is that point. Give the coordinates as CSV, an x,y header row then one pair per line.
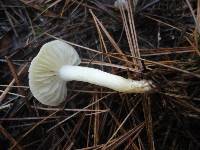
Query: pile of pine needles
x,y
156,40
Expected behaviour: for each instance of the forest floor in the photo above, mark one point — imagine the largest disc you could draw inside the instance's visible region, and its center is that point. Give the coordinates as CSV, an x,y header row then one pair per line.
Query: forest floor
x,y
156,40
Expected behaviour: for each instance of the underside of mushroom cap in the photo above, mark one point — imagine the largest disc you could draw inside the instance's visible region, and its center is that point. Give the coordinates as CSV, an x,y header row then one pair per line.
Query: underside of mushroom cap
x,y
44,80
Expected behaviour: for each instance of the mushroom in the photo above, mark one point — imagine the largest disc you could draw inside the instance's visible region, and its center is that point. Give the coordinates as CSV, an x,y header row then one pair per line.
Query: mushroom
x,y
123,3
120,3
57,63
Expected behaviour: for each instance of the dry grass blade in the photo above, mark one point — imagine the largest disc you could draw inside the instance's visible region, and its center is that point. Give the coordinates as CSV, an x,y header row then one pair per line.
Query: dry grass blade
x,y
120,126
101,38
173,68
11,93
17,80
109,37
198,13
197,33
156,40
71,110
2,96
166,24
9,136
145,60
166,51
148,122
96,123
193,15
30,130
14,86
116,142
131,33
9,19
61,122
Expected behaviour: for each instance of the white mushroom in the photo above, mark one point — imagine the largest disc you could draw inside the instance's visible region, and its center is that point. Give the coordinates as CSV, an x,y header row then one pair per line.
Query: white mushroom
x,y
57,63
122,3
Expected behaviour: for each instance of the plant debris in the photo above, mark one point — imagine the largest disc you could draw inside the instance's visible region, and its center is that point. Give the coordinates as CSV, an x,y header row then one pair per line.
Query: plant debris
x,y
156,40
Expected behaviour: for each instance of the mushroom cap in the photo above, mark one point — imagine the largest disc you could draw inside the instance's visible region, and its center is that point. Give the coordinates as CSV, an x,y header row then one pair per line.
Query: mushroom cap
x,y
45,84
120,3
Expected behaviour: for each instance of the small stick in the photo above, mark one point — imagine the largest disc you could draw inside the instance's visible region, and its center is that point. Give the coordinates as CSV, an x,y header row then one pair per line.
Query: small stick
x,y
14,74
3,95
9,137
17,80
15,94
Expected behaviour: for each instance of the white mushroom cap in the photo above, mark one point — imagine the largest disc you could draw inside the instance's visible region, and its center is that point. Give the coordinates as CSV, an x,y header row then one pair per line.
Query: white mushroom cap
x,y
120,3
44,80
123,3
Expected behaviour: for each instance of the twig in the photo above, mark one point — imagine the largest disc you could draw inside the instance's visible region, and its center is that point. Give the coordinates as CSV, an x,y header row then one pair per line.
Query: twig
x,y
14,74
2,96
9,137
148,121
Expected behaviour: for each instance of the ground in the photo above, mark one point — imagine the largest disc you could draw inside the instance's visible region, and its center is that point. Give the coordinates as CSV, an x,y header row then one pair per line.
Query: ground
x,y
156,40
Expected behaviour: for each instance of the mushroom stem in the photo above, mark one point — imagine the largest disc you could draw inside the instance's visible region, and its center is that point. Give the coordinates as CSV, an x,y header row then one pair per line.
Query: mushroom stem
x,y
104,79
